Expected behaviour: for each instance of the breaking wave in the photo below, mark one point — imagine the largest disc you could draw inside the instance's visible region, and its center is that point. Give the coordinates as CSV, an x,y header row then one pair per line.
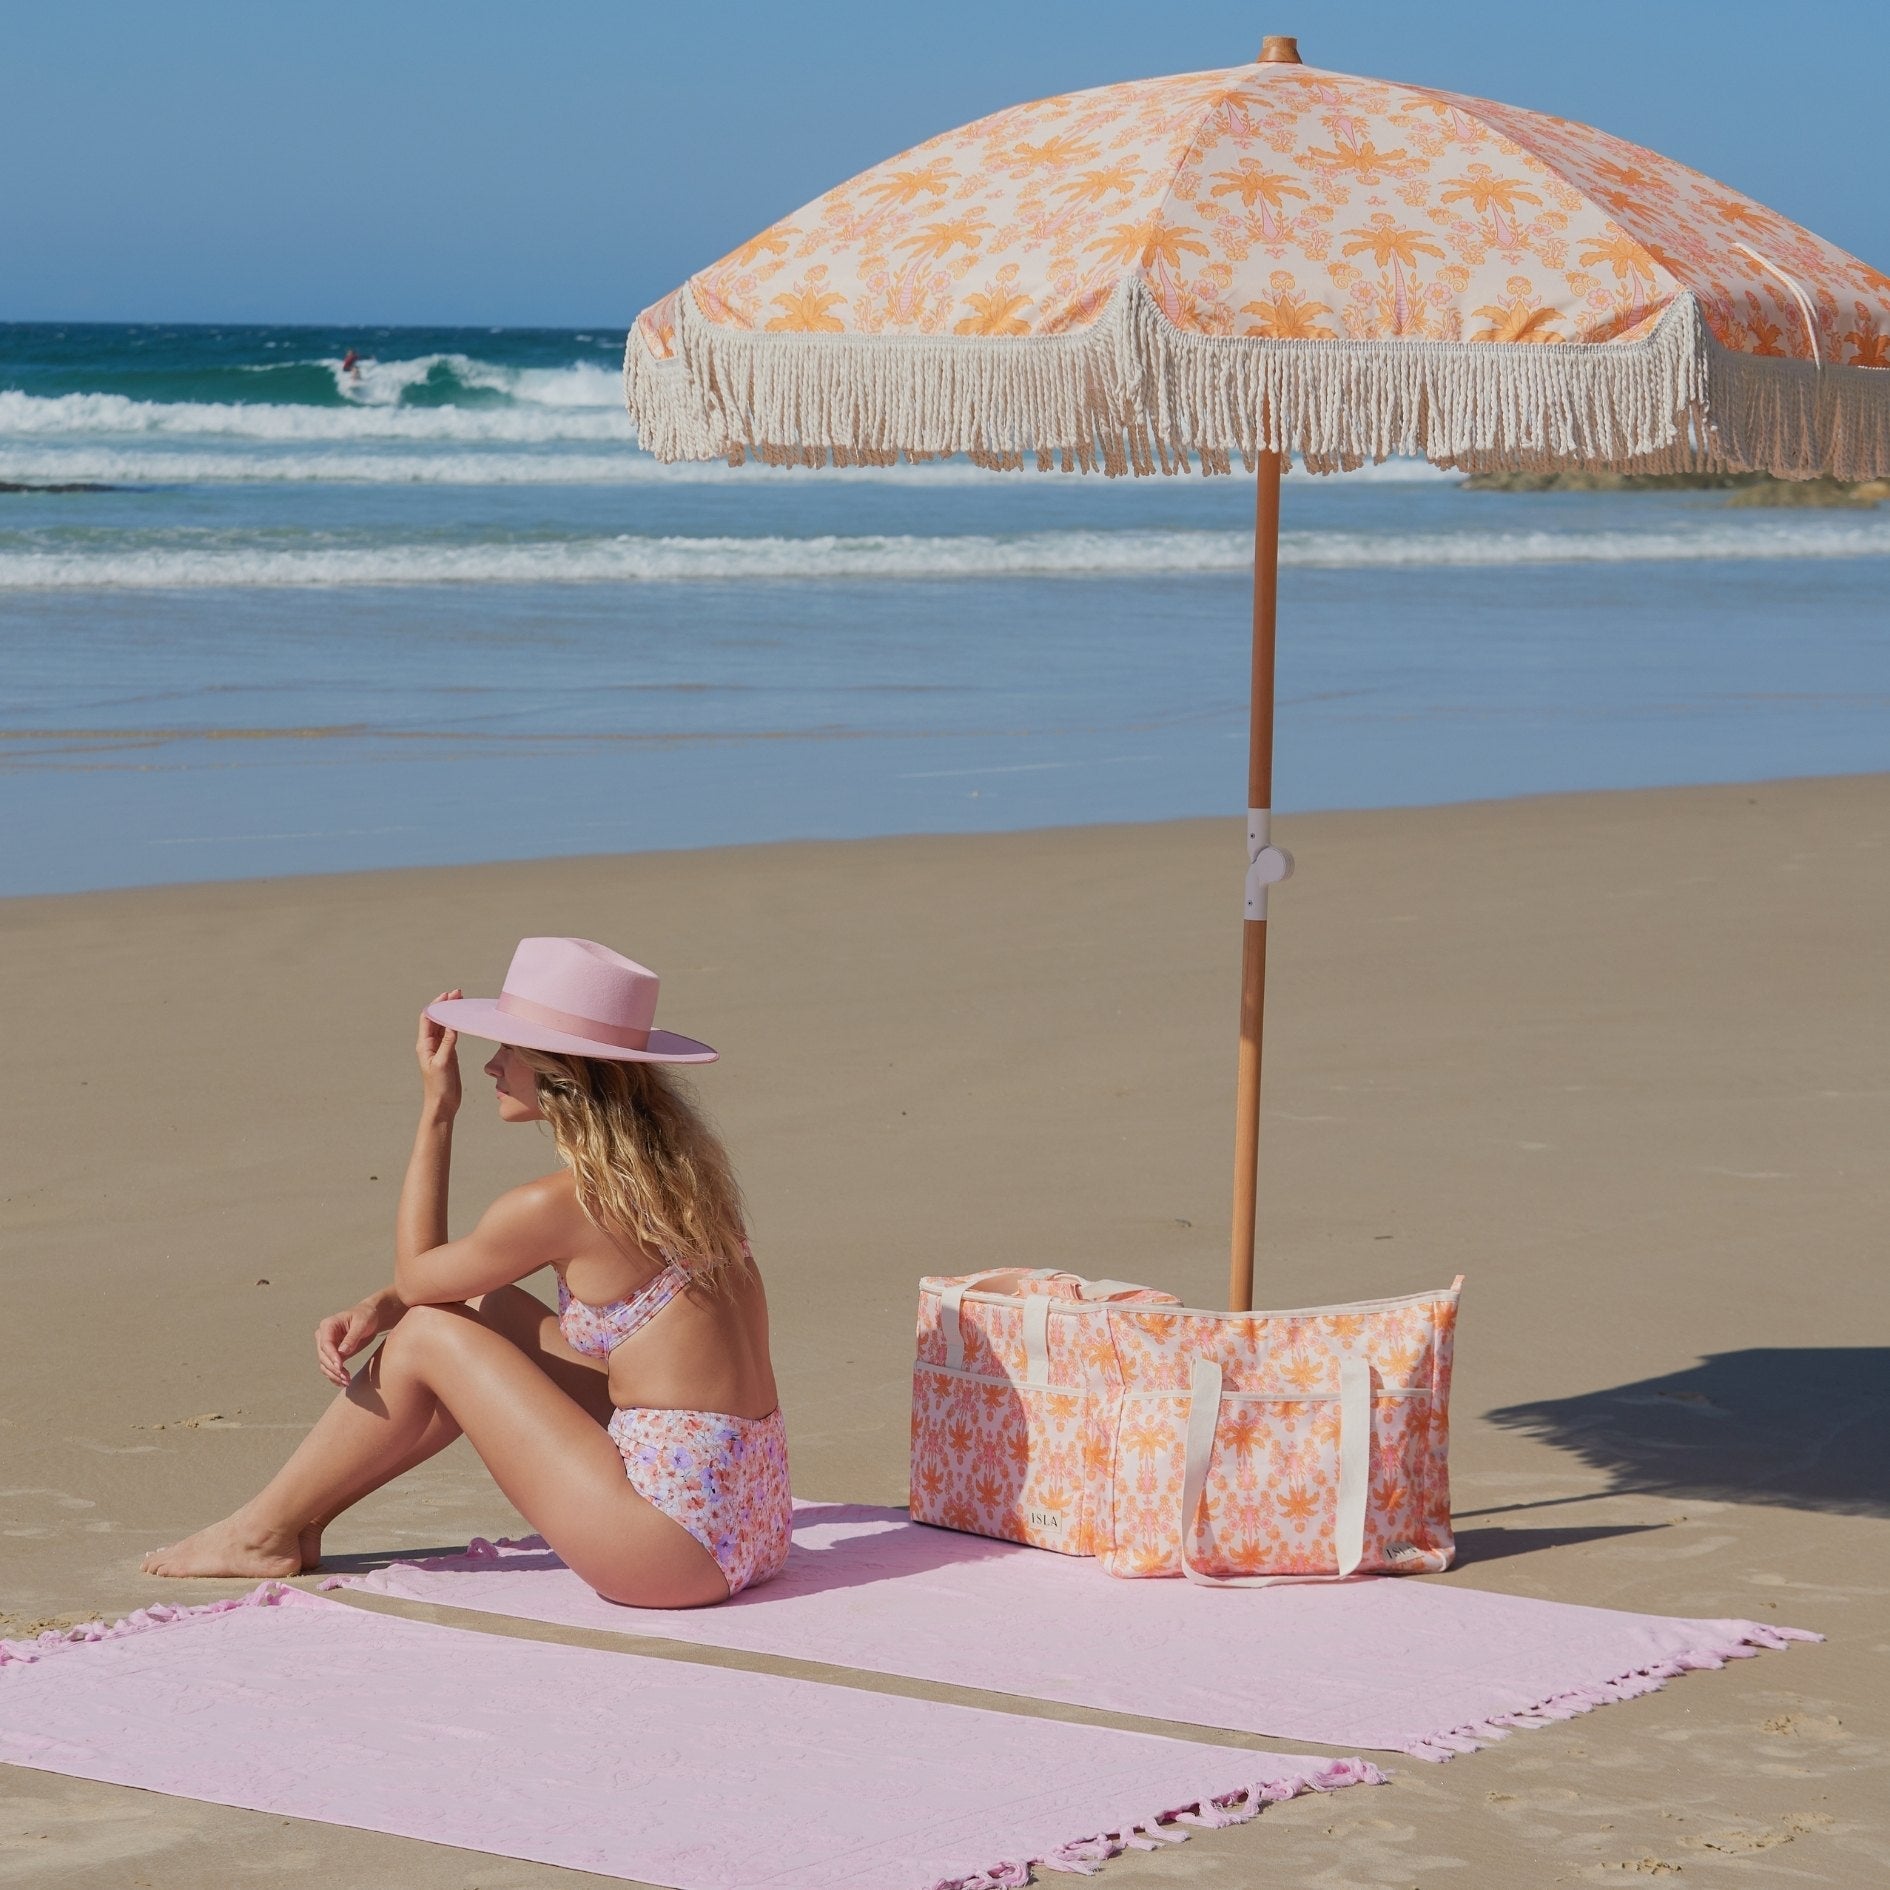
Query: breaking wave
x,y
91,415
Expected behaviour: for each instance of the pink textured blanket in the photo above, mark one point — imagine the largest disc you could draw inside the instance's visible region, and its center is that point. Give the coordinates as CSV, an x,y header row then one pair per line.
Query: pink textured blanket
x,y
1407,1665
662,1771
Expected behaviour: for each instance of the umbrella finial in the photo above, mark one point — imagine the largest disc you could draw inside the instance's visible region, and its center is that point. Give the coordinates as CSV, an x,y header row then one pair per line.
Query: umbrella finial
x,y
1277,49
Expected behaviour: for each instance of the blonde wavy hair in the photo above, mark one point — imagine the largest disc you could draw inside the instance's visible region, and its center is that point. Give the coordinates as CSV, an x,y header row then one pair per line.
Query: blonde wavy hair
x,y
649,1169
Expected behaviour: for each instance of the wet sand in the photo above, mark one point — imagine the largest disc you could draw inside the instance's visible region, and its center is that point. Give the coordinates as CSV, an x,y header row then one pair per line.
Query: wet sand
x,y
1624,1060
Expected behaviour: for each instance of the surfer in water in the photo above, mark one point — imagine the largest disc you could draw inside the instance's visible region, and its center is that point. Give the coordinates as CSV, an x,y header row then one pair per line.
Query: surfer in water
x,y
351,365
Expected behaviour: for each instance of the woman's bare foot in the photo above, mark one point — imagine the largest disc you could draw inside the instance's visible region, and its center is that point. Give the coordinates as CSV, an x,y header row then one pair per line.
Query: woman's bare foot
x,y
231,1547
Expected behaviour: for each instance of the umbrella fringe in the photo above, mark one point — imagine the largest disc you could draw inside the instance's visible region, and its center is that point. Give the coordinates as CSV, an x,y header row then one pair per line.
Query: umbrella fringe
x,y
1132,393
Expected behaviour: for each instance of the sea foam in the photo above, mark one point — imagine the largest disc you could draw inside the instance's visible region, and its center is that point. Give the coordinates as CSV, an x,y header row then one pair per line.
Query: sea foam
x,y
895,557
64,416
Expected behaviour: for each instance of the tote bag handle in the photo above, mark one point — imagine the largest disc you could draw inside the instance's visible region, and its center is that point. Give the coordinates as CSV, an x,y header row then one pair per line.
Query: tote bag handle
x,y
951,1298
1355,1450
1036,1313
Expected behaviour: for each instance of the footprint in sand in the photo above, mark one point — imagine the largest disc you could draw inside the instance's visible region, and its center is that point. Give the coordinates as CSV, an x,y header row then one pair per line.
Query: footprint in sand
x,y
1822,1727
1792,1826
64,1499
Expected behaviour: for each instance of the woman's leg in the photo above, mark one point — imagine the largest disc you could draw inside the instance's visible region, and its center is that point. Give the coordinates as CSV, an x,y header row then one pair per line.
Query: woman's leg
x,y
443,1366
356,1445
350,1453
529,1324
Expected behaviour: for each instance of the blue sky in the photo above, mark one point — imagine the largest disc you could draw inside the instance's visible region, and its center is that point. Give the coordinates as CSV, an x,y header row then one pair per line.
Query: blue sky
x,y
566,161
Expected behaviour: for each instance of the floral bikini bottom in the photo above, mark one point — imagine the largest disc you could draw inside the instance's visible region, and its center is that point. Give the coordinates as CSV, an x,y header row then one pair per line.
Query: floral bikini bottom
x,y
725,1479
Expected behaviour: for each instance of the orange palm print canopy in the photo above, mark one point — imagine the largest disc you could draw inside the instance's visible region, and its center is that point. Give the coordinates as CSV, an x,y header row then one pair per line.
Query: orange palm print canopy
x,y
1275,258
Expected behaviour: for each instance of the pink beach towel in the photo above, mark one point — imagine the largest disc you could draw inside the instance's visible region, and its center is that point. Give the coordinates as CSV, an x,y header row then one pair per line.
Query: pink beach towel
x,y
1414,1665
667,1772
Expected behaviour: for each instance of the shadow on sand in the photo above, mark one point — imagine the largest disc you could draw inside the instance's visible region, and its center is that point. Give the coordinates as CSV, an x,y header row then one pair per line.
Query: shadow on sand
x,y
366,1561
1806,1428
836,1545
1494,1545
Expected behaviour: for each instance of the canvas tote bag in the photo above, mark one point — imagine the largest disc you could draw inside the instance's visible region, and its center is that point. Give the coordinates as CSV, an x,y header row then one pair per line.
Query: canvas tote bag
x,y
1104,1419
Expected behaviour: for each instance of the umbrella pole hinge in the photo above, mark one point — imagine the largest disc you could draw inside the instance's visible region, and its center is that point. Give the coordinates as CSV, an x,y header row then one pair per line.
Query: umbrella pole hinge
x,y
1267,864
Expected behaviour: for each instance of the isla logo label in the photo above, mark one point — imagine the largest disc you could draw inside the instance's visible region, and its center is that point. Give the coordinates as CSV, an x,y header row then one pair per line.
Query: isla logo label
x,y
1048,1519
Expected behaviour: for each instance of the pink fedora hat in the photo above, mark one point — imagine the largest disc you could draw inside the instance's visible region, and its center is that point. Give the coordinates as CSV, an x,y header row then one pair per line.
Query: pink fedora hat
x,y
575,997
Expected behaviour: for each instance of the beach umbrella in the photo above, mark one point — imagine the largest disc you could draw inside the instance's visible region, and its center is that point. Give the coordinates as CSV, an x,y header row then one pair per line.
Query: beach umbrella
x,y
1273,262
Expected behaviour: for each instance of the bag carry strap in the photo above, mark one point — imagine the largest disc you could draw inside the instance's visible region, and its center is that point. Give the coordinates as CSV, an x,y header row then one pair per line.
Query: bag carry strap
x,y
1355,1450
1037,1339
1036,1333
1036,1314
951,1298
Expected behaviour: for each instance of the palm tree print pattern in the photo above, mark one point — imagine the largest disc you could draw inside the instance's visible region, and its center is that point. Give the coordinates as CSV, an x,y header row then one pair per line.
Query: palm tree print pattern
x,y
1283,202
1093,1465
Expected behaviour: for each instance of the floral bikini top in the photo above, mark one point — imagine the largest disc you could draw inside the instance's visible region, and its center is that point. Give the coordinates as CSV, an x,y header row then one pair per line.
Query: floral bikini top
x,y
599,1330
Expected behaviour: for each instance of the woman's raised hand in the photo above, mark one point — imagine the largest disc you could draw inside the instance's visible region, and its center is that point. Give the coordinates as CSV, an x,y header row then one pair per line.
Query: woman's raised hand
x,y
341,1335
438,1051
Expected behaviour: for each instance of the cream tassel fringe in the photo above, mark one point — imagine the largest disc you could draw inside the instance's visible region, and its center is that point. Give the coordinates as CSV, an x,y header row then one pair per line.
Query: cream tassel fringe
x,y
1133,393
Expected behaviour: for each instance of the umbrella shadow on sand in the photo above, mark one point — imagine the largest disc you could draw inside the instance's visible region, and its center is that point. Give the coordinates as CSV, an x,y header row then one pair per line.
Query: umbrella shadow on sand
x,y
1805,1428
1495,1545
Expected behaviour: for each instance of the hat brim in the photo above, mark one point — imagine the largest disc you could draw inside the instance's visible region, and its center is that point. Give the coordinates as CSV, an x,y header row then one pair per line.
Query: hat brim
x,y
482,1017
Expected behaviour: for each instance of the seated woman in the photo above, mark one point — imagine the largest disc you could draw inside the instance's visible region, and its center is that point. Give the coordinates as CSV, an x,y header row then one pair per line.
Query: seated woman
x,y
637,1428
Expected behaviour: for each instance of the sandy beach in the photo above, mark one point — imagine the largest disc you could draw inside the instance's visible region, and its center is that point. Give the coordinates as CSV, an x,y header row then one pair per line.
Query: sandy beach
x,y
1618,1058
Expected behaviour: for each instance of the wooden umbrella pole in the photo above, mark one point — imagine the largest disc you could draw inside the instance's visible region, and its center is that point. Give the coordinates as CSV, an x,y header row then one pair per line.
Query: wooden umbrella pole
x,y
1266,865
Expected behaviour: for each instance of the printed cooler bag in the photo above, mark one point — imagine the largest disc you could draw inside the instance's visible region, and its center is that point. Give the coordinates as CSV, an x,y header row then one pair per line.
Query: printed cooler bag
x,y
1014,1403
1109,1420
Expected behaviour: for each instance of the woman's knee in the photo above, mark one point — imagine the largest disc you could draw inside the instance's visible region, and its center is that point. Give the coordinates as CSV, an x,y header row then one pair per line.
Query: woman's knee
x,y
424,1330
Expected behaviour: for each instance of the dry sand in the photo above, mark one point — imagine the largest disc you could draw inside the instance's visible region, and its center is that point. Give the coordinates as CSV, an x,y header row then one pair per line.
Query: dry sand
x,y
1622,1059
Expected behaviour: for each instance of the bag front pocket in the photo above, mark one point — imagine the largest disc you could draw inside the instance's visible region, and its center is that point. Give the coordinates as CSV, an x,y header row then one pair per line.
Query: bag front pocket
x,y
1228,1486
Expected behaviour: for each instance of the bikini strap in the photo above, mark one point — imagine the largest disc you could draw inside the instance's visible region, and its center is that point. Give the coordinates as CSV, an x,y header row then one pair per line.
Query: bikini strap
x,y
636,1312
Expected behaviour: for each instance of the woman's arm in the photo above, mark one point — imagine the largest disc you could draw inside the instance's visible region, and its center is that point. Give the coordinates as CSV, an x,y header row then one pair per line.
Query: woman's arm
x,y
517,1235
520,1232
420,1219
341,1335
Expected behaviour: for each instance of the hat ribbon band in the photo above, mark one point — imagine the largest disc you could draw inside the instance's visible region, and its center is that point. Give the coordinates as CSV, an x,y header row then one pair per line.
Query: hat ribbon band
x,y
624,1036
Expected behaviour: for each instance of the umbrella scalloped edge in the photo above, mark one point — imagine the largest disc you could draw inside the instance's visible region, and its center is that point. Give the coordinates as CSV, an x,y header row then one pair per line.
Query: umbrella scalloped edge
x,y
1133,393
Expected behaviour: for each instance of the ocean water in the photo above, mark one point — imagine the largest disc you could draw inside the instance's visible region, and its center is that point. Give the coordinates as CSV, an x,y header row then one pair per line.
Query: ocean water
x,y
301,619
